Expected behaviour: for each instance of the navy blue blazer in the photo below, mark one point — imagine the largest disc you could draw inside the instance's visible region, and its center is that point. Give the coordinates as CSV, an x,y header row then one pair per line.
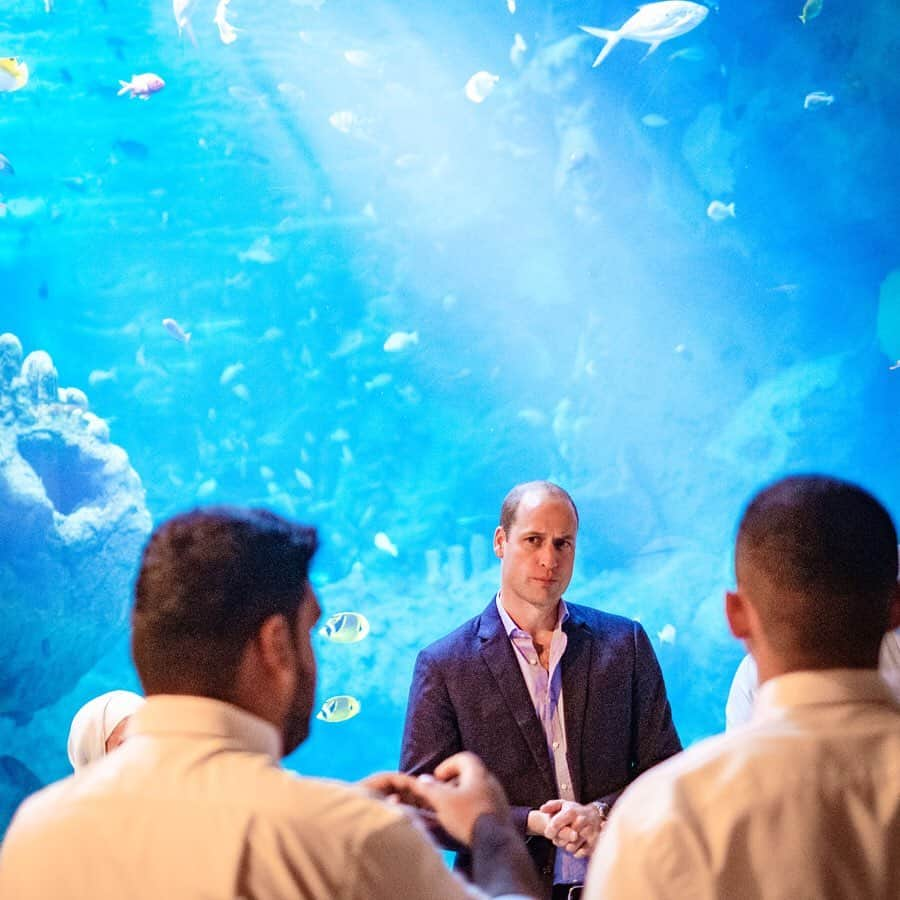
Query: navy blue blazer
x,y
468,693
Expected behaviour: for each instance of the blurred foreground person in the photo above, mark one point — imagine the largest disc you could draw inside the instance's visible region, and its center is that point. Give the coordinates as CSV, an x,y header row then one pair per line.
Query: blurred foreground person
x,y
803,801
99,726
195,804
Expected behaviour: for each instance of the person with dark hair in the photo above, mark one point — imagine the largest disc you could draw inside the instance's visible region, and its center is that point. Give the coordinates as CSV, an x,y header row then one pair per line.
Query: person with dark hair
x,y
803,800
564,703
194,804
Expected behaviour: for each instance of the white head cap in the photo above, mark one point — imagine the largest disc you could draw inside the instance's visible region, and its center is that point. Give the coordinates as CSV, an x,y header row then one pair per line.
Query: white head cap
x,y
94,723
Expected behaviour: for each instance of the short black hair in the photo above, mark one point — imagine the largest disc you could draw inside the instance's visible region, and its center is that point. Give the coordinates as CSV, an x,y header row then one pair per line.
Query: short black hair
x,y
208,580
511,501
827,550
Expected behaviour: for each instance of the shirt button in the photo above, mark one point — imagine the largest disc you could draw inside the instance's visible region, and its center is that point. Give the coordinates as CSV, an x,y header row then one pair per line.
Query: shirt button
x,y
533,662
556,745
563,787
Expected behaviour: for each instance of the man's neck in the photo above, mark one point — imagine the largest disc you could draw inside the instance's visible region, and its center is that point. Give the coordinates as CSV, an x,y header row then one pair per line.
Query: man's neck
x,y
535,620
769,666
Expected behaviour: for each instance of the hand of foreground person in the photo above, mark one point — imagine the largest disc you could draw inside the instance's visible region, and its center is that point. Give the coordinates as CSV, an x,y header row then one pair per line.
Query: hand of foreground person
x,y
460,791
572,826
395,787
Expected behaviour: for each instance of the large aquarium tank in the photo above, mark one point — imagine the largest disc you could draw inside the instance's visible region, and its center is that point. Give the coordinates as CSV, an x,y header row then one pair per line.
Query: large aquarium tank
x,y
369,264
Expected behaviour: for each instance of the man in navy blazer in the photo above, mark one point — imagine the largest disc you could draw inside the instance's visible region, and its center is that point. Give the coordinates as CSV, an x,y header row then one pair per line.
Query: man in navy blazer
x,y
564,703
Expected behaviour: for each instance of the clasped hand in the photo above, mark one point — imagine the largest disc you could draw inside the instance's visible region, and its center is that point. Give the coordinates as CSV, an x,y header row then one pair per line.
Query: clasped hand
x,y
571,826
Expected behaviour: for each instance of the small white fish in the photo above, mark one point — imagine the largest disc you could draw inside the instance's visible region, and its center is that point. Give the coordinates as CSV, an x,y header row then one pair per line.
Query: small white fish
x,y
400,340
652,24
788,289
26,206
817,99
260,251
176,331
511,6
811,9
141,86
303,479
894,367
680,348
345,628
344,120
207,487
688,54
654,120
266,473
179,11
340,435
480,86
13,74
229,373
384,543
241,391
719,211
517,51
227,32
532,417
98,376
6,166
667,634
407,160
358,58
339,709
379,381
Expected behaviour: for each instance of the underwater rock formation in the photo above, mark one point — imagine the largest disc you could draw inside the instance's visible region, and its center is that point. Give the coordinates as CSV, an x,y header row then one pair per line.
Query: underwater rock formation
x,y
72,522
775,428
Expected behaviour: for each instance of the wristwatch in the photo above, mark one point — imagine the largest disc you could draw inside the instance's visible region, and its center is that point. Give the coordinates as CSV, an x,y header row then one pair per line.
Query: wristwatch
x,y
602,808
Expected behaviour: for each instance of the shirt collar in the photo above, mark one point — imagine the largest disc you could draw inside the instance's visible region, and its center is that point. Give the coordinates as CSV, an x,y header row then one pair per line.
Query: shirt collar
x,y
166,714
826,686
510,626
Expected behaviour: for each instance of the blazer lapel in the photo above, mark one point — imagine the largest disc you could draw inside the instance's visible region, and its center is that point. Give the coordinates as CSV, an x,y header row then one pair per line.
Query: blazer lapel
x,y
576,669
500,657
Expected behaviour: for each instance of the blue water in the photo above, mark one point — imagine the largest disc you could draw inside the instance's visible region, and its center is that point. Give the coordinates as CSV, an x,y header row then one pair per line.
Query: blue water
x,y
298,196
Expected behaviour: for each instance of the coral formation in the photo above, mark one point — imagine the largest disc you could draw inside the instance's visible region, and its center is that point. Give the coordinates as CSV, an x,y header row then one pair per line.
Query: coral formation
x,y
72,522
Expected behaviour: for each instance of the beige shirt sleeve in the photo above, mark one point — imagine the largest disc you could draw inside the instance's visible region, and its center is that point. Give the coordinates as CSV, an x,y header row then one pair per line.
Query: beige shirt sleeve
x,y
400,861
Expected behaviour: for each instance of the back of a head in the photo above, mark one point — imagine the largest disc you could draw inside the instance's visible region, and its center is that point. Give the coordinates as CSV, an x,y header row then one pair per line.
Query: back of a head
x,y
818,556
208,580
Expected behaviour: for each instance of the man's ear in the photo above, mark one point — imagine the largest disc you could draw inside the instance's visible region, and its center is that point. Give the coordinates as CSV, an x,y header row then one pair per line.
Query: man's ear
x,y
276,644
499,541
738,614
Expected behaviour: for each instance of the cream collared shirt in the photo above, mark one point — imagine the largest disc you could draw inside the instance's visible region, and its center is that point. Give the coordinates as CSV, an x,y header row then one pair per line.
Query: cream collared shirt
x,y
195,805
802,802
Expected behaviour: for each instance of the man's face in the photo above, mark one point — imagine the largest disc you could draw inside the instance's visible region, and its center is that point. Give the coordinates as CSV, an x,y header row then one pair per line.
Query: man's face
x,y
538,553
117,735
296,723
